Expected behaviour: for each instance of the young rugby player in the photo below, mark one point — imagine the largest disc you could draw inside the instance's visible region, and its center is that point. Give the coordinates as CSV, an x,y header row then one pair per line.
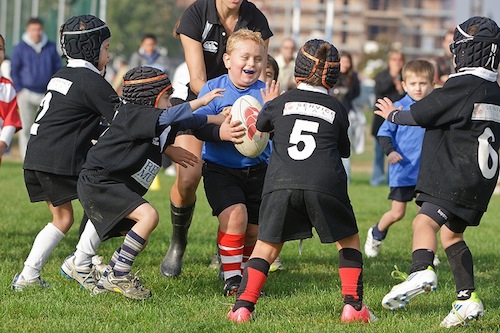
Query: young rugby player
x,y
122,165
310,132
68,119
233,182
402,145
458,168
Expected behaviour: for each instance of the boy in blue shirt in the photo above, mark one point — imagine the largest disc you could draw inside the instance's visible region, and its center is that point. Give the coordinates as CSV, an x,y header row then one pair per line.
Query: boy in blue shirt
x,y
233,182
403,146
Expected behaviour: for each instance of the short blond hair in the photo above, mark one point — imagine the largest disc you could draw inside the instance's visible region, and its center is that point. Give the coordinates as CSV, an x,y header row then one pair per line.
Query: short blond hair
x,y
419,67
243,35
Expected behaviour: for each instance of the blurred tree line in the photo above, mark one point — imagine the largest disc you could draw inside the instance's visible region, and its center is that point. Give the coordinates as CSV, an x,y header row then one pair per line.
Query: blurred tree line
x,y
128,20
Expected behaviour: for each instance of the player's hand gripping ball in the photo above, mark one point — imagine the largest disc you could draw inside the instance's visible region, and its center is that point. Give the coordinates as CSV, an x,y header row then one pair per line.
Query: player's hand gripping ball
x,y
246,109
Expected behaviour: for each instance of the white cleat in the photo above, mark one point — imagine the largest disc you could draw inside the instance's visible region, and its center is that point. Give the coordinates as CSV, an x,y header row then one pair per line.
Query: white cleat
x,y
372,246
464,311
415,284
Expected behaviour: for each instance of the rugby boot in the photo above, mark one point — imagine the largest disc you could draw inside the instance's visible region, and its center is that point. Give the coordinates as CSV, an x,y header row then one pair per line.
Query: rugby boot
x,y
181,220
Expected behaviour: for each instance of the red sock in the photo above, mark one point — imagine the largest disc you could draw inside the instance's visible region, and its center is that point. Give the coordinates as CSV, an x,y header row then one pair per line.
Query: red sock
x,y
247,252
351,276
254,278
350,279
231,253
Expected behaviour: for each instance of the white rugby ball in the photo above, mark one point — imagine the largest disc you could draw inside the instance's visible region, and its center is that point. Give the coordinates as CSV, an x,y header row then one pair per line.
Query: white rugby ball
x,y
246,109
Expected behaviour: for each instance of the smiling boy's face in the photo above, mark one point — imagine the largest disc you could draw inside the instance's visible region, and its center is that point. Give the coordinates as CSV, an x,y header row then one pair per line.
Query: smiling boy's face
x,y
244,64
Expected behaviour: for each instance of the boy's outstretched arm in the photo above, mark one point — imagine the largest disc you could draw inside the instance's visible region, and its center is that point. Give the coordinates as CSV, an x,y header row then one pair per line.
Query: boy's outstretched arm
x,y
205,99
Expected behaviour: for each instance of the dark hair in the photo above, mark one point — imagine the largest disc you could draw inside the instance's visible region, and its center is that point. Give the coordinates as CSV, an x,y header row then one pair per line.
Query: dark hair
x,y
317,64
34,20
2,40
149,35
346,78
176,26
271,62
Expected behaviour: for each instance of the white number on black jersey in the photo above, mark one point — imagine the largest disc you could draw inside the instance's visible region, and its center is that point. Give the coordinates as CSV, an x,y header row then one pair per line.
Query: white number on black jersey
x,y
44,106
486,152
297,136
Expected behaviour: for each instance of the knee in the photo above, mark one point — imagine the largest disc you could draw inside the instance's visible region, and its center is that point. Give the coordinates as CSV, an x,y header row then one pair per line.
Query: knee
x,y
63,223
424,223
187,183
398,215
449,237
153,218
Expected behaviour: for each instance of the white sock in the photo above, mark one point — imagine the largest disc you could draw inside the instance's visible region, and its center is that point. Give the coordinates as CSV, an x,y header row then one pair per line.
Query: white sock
x,y
44,244
87,245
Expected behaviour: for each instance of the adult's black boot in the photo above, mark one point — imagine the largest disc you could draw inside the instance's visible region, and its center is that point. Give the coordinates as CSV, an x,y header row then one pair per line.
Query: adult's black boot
x,y
181,220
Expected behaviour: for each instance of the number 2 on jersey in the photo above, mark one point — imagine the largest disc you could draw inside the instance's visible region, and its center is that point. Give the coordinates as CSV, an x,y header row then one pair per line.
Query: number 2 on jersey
x,y
44,106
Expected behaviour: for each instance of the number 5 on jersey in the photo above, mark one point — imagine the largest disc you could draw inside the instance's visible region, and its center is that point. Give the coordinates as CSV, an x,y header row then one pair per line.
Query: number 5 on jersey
x,y
298,135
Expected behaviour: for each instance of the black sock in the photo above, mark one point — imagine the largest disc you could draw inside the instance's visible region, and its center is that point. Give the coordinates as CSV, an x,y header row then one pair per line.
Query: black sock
x,y
421,259
462,267
378,234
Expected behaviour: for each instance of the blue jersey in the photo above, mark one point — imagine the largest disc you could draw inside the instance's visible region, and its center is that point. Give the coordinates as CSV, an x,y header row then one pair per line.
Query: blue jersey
x,y
407,140
224,153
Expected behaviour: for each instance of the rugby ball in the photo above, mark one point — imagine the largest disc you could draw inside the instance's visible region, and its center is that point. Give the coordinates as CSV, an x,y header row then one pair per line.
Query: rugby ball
x,y
246,109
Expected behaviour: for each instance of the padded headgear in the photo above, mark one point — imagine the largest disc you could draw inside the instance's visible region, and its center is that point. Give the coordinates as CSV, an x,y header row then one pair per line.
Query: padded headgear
x,y
82,37
324,64
476,44
145,85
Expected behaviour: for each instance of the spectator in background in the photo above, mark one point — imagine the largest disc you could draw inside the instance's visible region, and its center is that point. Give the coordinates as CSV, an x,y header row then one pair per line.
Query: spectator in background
x,y
150,54
387,84
444,65
345,91
10,122
34,60
286,63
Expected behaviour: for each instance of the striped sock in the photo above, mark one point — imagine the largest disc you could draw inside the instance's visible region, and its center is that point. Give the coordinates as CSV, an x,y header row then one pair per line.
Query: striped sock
x,y
351,277
131,247
231,253
112,262
247,252
109,268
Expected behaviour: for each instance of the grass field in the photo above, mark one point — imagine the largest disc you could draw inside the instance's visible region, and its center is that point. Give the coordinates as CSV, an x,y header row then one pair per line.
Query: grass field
x,y
305,297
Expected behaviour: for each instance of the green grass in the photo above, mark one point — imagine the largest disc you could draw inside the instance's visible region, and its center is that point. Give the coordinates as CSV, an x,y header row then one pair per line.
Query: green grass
x,y
303,298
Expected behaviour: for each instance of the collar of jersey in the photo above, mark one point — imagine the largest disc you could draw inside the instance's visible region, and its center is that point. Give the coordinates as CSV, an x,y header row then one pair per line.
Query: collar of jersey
x,y
80,63
308,87
477,71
